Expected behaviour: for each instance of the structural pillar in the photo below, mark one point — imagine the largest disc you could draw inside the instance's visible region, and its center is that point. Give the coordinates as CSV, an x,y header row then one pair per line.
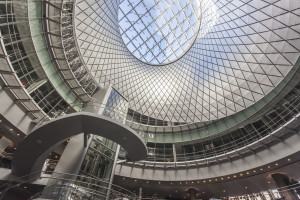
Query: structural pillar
x,y
140,193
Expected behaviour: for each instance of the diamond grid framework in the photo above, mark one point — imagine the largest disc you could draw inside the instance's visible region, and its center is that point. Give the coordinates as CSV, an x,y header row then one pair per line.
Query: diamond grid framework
x,y
159,31
243,50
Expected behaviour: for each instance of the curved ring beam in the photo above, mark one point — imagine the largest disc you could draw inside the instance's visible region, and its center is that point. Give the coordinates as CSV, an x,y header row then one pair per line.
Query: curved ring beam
x,y
35,148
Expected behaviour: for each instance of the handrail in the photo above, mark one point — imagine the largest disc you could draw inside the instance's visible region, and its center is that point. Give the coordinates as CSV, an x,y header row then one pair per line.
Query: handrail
x,y
63,187
43,172
281,191
283,117
4,154
90,181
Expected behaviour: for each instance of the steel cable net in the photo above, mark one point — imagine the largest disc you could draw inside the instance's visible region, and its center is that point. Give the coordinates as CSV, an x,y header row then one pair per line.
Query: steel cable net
x,y
242,51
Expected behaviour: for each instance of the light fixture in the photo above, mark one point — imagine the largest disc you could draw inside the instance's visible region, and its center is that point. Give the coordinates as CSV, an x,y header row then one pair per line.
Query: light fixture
x,y
135,180
248,173
289,159
18,134
11,129
276,164
269,166
158,182
123,178
261,169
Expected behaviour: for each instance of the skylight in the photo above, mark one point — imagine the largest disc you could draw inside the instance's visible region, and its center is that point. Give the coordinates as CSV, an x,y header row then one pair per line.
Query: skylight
x,y
159,32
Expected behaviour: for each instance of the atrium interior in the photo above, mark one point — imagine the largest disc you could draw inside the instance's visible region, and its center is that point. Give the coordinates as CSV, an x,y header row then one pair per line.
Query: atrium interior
x,y
149,99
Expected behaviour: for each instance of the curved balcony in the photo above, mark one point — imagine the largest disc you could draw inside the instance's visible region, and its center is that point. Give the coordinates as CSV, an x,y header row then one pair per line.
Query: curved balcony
x,y
42,84
273,126
58,25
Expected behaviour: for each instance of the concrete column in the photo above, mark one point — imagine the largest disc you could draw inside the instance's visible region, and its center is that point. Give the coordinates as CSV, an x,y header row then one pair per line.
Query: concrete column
x,y
174,152
140,193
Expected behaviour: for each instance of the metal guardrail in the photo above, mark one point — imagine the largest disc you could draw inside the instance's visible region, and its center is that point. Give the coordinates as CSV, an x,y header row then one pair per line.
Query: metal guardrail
x,y
281,115
291,192
4,154
65,186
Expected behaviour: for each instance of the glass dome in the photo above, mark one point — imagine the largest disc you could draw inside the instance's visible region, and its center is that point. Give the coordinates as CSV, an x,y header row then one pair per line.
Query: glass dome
x,y
159,32
241,53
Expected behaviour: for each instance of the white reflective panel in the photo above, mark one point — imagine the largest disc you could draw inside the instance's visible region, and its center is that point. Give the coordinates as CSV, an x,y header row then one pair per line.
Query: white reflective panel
x,y
166,28
243,50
